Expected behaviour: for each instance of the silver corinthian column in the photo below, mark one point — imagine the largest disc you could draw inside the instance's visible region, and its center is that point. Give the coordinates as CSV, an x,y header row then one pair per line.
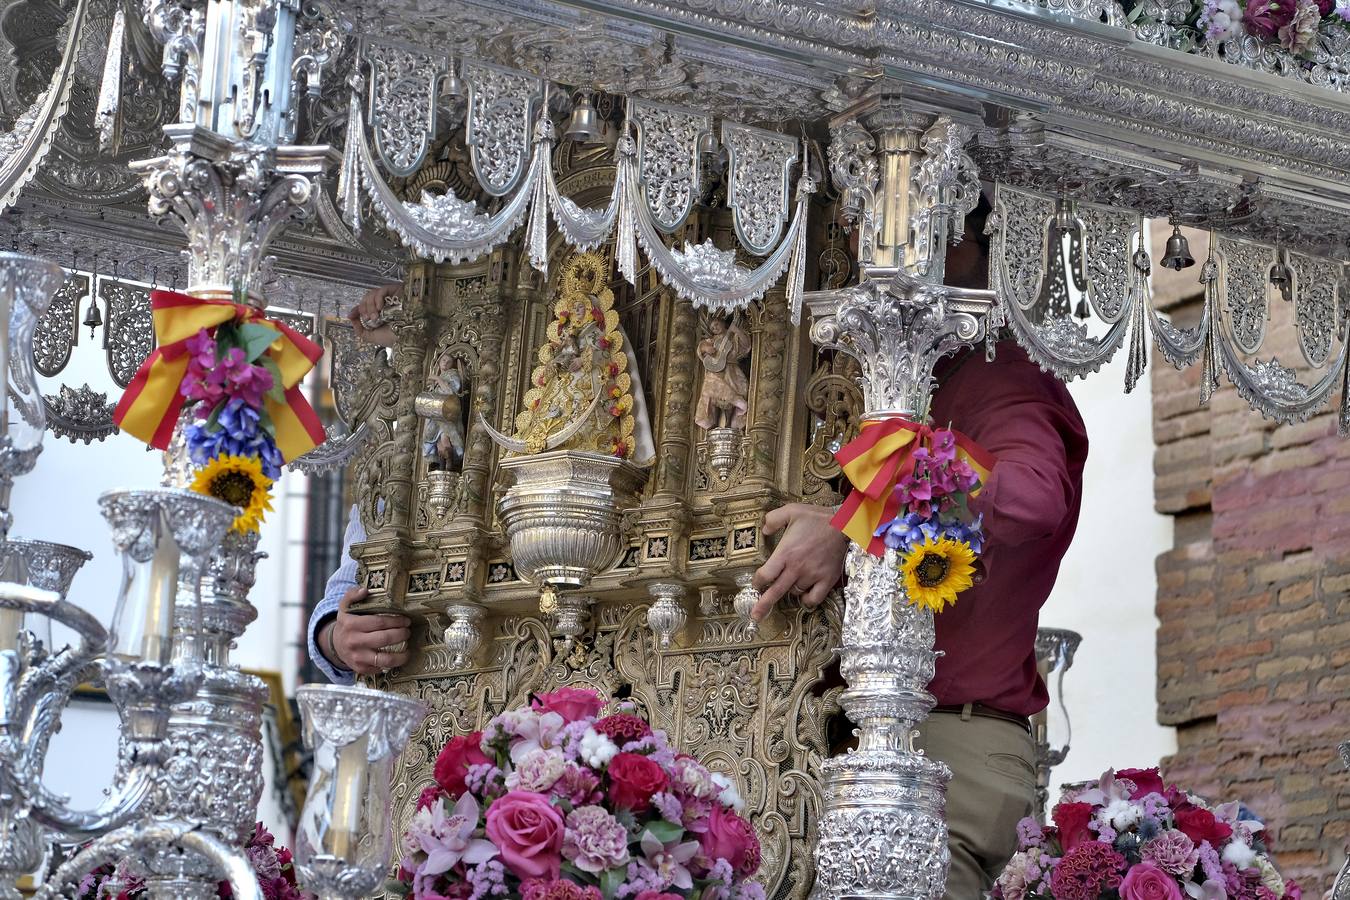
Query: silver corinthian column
x,y
906,186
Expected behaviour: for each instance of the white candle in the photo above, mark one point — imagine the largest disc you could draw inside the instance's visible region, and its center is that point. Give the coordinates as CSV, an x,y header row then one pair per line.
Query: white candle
x,y
11,620
156,643
349,800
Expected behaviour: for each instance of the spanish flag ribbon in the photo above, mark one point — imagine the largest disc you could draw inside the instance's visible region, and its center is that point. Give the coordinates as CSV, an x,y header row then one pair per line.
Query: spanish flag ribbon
x,y
150,407
875,461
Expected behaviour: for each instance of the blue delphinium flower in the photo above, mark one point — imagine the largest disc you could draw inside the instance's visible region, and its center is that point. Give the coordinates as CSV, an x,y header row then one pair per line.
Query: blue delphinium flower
x,y
205,444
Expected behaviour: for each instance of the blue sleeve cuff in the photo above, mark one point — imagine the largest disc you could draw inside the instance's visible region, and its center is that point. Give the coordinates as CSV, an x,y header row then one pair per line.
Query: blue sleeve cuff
x,y
326,609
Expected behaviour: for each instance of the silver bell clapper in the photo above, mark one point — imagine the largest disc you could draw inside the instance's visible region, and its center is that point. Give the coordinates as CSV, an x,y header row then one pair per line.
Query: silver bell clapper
x,y
345,839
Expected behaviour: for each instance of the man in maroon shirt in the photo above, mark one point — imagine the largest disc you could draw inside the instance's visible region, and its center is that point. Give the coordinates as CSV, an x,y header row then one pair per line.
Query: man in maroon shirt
x,y
986,683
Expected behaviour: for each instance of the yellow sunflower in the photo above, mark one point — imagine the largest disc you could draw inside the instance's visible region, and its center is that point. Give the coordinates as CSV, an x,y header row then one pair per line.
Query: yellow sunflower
x,y
239,481
934,572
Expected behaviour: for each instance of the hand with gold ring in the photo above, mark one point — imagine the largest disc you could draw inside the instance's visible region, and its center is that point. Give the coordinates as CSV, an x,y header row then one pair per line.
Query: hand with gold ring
x,y
362,642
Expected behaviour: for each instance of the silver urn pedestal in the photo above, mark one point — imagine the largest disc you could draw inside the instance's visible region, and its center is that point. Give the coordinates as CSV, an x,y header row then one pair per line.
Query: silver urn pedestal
x,y
563,515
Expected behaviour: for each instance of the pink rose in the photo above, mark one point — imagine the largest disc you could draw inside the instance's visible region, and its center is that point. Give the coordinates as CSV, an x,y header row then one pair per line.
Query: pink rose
x,y
633,779
571,703
731,838
529,833
453,762
1148,882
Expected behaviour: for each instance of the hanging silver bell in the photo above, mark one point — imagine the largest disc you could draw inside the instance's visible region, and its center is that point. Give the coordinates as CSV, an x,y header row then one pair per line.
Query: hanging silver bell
x,y
585,126
1178,255
1281,276
452,88
93,319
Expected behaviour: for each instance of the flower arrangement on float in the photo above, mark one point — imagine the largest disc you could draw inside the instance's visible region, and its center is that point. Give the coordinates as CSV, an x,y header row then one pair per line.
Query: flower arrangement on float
x,y
557,802
912,490
238,375
271,864
1293,25
1129,837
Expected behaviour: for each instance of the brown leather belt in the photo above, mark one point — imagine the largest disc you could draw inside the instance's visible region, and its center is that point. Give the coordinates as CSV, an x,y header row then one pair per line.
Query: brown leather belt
x,y
986,712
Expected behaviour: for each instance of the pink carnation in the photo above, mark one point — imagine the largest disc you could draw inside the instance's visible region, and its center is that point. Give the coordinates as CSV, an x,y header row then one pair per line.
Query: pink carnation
x,y
1173,852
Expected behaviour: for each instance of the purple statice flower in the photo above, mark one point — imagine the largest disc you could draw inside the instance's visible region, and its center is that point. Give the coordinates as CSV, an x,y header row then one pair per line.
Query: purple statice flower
x,y
594,840
748,890
1030,833
487,879
1210,862
641,877
485,780
653,747
669,806
1343,9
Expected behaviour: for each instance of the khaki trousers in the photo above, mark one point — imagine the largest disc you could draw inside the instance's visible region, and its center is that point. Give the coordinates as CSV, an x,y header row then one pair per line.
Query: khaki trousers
x,y
993,787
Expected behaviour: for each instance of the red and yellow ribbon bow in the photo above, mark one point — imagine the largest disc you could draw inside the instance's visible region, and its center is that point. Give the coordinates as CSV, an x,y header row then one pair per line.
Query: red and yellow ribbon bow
x,y
150,406
875,461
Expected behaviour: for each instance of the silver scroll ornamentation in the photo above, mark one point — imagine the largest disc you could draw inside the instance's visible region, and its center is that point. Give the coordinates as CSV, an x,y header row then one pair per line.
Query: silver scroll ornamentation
x,y
759,164
502,104
667,159
402,103
129,335
58,331
1245,278
1317,292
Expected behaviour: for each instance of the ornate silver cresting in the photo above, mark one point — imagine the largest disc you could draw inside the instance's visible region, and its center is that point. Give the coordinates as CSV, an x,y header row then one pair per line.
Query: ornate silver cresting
x,y
883,828
1055,648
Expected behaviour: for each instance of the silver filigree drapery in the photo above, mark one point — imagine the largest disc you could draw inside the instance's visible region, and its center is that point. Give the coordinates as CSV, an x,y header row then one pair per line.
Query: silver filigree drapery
x,y
447,227
759,170
1111,271
499,125
668,140
26,144
402,103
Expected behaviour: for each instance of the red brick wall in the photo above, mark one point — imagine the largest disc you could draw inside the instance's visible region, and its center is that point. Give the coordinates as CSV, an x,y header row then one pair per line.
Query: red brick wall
x,y
1254,605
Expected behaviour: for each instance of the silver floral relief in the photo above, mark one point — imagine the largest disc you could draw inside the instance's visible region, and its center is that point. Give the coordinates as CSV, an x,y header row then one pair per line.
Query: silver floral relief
x,y
1019,223
1317,283
502,103
1245,274
856,174
1107,11
58,330
128,332
759,163
667,158
403,103
1109,239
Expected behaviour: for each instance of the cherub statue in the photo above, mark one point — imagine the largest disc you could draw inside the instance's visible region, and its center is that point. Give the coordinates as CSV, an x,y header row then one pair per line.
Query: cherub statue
x,y
443,438
724,398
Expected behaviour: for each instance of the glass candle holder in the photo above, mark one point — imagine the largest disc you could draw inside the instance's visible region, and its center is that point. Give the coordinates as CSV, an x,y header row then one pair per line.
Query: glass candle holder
x,y
1055,648
345,838
161,535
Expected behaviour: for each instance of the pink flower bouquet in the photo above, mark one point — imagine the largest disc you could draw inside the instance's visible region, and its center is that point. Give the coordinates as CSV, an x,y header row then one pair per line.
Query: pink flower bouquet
x,y
1131,838
557,802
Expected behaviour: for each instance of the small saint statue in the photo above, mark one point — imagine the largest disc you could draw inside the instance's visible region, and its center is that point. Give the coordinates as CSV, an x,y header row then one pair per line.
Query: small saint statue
x,y
443,438
724,399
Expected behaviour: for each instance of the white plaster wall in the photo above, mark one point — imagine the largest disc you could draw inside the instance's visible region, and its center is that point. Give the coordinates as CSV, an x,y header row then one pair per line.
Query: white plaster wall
x,y
1108,584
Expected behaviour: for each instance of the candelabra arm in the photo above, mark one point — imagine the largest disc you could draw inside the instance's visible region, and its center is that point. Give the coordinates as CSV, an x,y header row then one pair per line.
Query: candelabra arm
x,y
154,836
50,811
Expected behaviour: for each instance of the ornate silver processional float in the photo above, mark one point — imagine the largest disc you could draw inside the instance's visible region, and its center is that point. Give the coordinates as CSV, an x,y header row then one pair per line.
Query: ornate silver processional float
x,y
778,116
